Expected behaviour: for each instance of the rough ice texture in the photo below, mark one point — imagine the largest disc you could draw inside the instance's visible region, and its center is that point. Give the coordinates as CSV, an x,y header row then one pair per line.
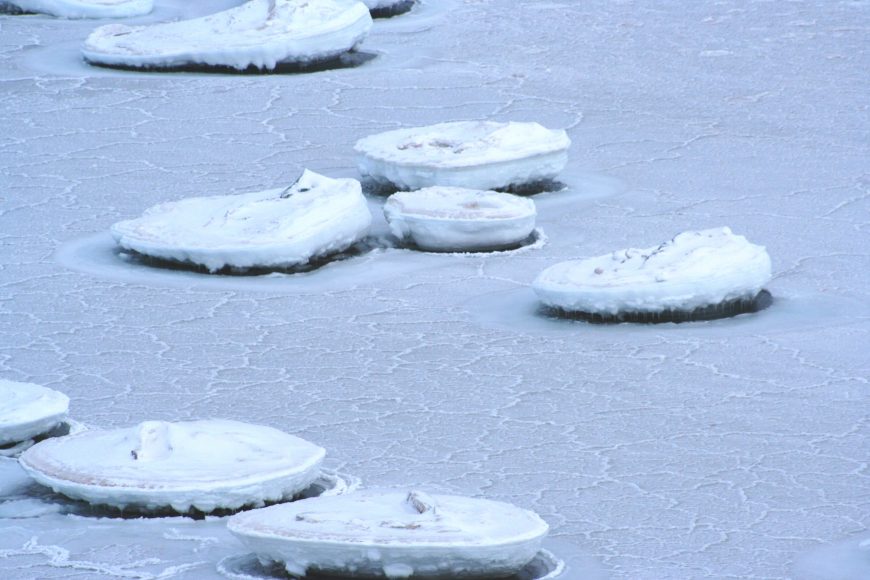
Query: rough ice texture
x,y
276,228
693,270
28,410
250,35
83,8
203,465
471,154
458,219
373,533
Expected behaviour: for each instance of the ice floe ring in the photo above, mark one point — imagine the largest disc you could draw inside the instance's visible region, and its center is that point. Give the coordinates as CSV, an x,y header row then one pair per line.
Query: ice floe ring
x,y
195,465
80,8
458,219
372,534
696,275
260,33
28,410
314,217
472,154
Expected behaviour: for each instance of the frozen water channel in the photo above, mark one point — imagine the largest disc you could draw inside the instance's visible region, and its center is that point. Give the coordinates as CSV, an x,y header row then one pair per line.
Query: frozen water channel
x,y
727,449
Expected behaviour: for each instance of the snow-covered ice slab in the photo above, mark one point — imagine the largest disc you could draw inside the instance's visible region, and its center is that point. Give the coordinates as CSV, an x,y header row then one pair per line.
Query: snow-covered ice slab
x,y
80,8
388,8
315,217
372,534
696,271
28,410
471,154
201,465
459,219
260,33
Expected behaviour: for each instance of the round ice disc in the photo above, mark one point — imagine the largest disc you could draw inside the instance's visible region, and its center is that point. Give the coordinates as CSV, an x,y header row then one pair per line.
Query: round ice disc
x,y
472,154
695,269
277,228
205,465
371,534
258,33
84,8
458,219
28,410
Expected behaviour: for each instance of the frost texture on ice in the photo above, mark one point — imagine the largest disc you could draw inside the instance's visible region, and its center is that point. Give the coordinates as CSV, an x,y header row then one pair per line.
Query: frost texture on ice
x,y
458,219
28,410
202,465
82,8
376,533
693,270
316,216
256,34
471,154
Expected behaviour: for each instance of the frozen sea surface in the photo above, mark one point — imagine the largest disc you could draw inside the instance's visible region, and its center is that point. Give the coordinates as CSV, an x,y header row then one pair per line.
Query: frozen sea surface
x,y
730,449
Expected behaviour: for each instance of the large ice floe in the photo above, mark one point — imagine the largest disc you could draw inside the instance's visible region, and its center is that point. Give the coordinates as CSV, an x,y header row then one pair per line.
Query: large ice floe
x,y
278,228
375,533
80,8
459,219
471,154
196,465
697,274
28,410
259,33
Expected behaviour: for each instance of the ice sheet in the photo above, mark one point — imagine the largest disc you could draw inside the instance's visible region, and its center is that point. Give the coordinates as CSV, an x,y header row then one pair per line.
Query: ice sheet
x,y
706,450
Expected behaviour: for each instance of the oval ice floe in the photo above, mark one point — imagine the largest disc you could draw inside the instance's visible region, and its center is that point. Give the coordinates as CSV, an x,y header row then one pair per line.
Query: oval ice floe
x,y
376,533
696,275
315,217
471,154
458,219
259,34
195,465
28,410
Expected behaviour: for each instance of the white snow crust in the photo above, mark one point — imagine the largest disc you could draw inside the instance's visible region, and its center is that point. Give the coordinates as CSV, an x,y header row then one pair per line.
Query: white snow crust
x,y
252,34
318,216
470,154
694,269
458,219
28,410
374,533
205,465
84,8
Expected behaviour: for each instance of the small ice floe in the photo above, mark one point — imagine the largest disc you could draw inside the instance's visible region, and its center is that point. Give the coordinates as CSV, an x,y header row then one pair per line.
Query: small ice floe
x,y
472,154
79,8
376,534
28,411
314,217
196,465
698,275
259,34
453,219
388,8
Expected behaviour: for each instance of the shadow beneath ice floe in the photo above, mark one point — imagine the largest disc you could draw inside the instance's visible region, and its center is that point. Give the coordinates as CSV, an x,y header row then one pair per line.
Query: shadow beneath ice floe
x,y
329,483
394,10
12,10
545,566
378,188
361,248
350,59
728,309
537,239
